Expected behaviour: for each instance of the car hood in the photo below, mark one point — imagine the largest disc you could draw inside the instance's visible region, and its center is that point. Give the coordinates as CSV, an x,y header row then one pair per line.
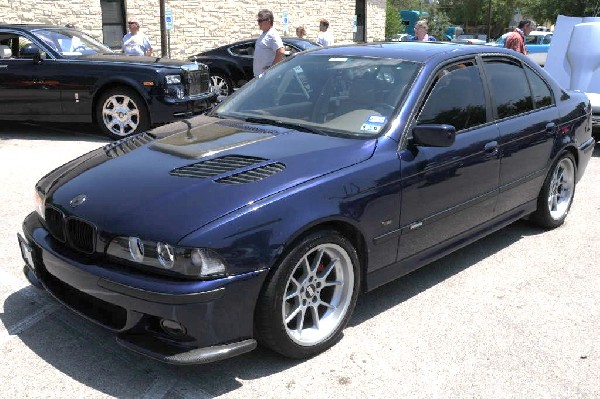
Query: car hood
x,y
153,61
165,188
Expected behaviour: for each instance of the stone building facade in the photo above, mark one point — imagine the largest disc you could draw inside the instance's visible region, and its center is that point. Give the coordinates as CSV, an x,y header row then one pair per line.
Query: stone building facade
x,y
199,25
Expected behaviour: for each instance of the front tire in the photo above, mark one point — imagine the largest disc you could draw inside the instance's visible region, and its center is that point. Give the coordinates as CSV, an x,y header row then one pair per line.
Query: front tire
x,y
558,191
309,297
121,112
221,83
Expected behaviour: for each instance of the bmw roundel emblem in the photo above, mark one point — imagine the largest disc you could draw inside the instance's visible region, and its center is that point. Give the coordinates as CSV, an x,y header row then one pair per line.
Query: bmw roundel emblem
x,y
78,200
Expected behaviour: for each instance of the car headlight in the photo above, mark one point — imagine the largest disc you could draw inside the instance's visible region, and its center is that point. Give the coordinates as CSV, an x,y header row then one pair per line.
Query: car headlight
x,y
173,79
190,262
40,202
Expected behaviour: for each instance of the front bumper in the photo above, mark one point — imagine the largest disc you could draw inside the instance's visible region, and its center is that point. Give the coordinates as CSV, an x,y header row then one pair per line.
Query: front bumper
x,y
167,109
216,317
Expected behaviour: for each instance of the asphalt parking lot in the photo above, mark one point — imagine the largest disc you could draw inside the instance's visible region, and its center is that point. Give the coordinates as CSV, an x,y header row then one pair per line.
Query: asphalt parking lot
x,y
515,315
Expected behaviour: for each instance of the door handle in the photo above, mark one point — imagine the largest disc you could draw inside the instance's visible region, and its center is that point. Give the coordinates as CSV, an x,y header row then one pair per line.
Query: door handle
x,y
551,127
491,147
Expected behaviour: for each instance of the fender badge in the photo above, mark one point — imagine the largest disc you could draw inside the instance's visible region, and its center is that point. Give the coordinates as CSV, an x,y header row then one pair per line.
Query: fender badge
x,y
78,200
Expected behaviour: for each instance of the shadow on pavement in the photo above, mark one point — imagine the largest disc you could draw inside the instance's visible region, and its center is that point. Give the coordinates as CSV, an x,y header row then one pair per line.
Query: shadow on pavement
x,y
51,131
398,291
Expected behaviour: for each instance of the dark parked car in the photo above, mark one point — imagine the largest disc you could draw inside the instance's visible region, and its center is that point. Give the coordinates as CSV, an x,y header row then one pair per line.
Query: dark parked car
x,y
231,65
49,73
331,174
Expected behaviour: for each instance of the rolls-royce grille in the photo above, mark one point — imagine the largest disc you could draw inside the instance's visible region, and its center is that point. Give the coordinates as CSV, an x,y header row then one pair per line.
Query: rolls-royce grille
x,y
253,175
81,235
217,166
78,234
55,223
197,82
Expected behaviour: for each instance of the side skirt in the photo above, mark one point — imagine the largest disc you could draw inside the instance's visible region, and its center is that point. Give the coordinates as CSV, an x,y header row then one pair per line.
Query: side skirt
x,y
384,275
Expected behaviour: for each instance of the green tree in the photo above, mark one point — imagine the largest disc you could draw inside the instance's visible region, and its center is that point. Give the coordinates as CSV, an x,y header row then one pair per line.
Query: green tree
x,y
549,10
393,24
474,16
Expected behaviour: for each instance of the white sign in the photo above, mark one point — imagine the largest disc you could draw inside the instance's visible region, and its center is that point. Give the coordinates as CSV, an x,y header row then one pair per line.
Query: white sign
x,y
169,18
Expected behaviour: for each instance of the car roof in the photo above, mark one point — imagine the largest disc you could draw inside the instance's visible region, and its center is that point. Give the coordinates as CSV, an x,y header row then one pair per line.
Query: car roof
x,y
410,51
27,27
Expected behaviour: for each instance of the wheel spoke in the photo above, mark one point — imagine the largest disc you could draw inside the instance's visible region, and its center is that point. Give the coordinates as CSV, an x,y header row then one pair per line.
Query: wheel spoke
x,y
293,314
315,316
300,325
295,292
327,305
329,268
317,260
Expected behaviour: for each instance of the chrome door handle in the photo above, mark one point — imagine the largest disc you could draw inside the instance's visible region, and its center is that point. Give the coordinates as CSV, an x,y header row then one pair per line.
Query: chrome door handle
x,y
491,147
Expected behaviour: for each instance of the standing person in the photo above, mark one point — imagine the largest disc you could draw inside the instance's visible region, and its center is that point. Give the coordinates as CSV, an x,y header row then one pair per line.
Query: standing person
x,y
325,38
421,29
300,32
516,39
269,49
135,42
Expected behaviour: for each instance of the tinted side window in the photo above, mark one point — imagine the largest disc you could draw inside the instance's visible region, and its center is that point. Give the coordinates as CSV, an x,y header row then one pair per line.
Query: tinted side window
x,y
510,89
243,50
542,95
457,98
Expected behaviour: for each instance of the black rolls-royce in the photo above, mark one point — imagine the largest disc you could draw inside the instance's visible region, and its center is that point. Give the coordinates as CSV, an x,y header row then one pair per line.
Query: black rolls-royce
x,y
60,74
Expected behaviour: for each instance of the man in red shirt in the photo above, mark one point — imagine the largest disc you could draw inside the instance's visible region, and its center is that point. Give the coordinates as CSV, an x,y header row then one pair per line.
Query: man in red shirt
x,y
516,39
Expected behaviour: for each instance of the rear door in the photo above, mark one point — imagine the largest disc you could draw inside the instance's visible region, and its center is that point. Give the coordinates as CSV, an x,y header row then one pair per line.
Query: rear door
x,y
446,192
527,118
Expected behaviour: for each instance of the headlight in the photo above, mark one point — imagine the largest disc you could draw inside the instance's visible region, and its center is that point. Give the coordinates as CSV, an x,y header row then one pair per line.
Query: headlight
x,y
40,203
173,79
190,262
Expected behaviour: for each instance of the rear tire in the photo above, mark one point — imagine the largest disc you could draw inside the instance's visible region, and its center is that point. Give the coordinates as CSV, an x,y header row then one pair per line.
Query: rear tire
x,y
558,191
121,112
309,297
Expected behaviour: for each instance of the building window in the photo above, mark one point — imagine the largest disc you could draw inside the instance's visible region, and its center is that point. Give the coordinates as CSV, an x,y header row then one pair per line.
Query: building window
x,y
113,22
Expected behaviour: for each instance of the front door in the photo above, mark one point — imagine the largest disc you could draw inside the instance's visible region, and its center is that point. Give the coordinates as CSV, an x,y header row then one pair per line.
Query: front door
x,y
449,191
28,87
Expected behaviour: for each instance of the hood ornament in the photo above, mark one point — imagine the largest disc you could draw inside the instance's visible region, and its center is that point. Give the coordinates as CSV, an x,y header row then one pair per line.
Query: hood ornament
x,y
78,200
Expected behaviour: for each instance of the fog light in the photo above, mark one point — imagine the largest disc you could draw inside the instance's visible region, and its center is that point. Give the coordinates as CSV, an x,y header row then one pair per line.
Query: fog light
x,y
180,93
172,327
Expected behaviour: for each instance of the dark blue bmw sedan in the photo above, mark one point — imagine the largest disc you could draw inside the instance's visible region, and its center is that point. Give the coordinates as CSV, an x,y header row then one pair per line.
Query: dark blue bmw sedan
x,y
329,175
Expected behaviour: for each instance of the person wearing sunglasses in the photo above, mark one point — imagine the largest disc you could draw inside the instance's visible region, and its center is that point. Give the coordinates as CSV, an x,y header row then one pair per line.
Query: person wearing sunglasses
x,y
268,49
135,42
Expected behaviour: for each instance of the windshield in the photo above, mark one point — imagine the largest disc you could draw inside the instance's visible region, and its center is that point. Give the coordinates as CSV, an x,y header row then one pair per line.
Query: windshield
x,y
325,94
71,43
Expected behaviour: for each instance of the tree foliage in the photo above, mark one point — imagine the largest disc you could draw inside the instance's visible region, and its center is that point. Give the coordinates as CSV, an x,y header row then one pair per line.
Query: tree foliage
x,y
474,15
392,20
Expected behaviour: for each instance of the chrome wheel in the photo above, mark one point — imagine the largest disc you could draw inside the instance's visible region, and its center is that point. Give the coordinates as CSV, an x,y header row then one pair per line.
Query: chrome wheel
x,y
120,115
561,189
220,84
318,294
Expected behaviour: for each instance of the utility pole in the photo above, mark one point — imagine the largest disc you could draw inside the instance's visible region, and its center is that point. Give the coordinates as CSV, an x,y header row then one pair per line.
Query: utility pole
x,y
489,30
163,30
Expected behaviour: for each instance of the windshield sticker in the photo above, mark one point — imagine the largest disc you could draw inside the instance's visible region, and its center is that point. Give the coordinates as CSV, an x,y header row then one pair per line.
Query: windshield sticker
x,y
374,124
338,59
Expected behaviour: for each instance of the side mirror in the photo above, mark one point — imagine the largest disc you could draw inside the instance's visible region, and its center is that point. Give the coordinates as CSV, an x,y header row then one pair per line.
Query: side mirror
x,y
31,51
434,135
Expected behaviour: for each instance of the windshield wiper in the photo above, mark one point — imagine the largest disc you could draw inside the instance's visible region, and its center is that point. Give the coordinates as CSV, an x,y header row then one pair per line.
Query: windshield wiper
x,y
294,126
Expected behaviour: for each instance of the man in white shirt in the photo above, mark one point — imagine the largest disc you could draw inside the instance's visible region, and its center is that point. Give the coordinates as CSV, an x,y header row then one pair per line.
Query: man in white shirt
x,y
135,42
268,49
325,38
